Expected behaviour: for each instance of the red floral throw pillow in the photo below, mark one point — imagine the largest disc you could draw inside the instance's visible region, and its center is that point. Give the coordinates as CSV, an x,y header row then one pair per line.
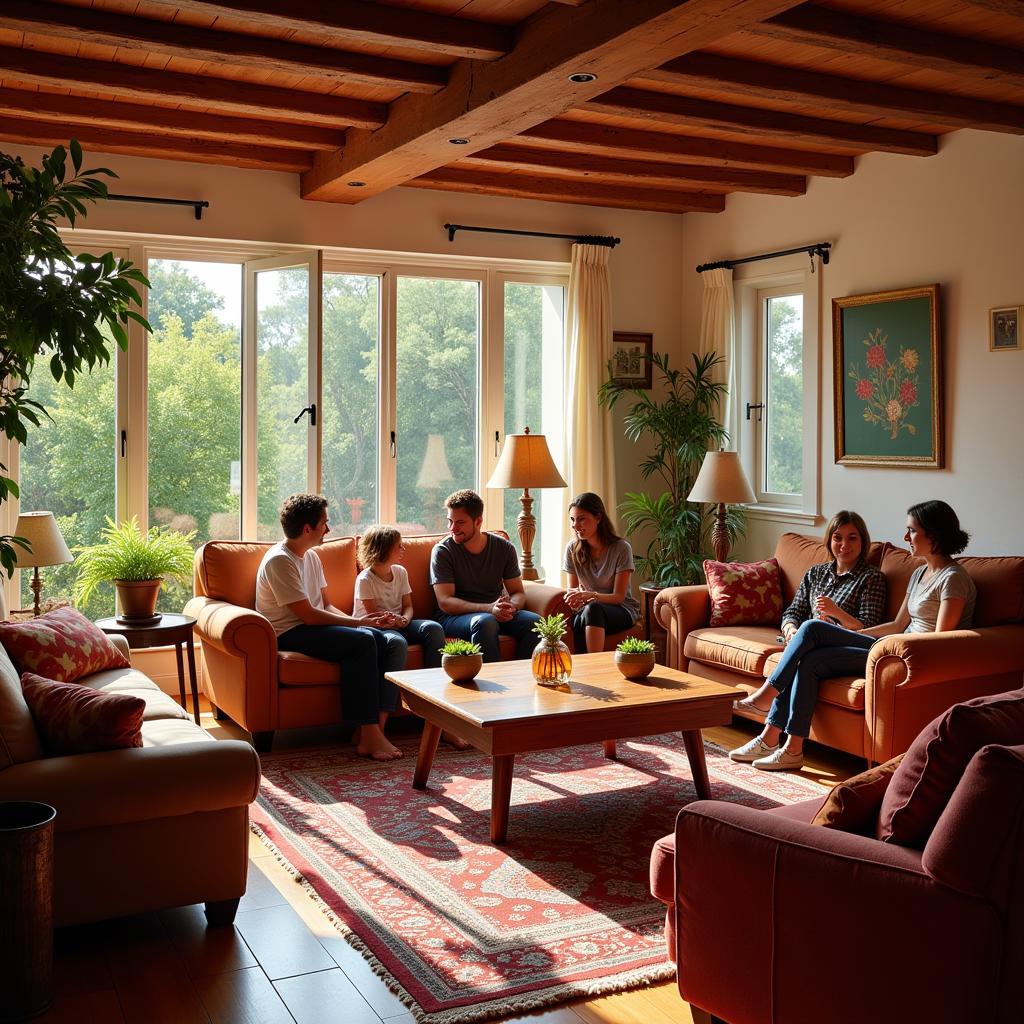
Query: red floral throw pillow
x,y
62,645
744,593
73,719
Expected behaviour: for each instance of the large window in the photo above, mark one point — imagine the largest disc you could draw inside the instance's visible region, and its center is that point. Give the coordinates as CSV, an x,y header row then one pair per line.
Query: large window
x,y
780,447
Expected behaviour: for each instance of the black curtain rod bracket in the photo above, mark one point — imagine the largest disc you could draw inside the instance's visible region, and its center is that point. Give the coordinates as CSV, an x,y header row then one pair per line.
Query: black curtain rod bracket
x,y
819,249
198,205
583,239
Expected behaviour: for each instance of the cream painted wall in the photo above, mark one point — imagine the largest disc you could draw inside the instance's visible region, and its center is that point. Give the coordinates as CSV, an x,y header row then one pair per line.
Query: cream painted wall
x,y
956,218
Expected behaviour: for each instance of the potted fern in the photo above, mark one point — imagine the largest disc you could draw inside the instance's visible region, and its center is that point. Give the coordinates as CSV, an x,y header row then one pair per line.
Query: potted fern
x,y
461,660
634,658
552,661
136,563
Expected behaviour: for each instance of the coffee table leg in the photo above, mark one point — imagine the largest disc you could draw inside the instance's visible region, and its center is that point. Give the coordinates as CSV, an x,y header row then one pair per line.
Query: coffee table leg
x,y
694,743
501,795
425,758
609,750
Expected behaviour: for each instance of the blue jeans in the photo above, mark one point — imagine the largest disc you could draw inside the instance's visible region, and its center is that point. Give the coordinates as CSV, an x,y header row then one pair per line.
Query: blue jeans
x,y
360,652
819,650
484,629
419,631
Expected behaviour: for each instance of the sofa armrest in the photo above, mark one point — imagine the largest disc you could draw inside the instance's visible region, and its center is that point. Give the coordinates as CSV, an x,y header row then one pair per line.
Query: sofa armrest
x,y
680,610
545,599
235,630
113,787
121,643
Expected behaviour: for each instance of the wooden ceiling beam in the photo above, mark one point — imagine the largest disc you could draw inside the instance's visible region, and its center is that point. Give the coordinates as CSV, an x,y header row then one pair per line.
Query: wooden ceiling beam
x,y
135,117
107,140
360,21
86,25
170,88
487,103
902,44
1013,7
611,170
667,108
584,137
453,179
876,99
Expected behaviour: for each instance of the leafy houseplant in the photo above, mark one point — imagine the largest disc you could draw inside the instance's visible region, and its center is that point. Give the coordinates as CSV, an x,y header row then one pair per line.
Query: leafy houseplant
x,y
461,660
682,421
134,562
634,657
551,661
52,303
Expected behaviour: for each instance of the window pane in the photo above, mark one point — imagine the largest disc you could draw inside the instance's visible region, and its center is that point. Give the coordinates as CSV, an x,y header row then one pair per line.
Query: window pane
x,y
195,373
351,331
533,398
438,342
784,395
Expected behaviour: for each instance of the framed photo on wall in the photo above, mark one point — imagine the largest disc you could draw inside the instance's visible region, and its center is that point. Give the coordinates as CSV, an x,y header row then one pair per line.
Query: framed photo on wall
x,y
888,379
631,359
1004,328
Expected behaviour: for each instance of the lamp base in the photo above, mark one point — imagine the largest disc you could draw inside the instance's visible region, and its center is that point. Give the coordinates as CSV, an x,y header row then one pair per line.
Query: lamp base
x,y
527,528
720,535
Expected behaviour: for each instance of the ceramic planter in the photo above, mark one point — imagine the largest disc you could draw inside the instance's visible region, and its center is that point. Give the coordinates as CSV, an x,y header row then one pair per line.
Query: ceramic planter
x,y
634,666
137,599
461,668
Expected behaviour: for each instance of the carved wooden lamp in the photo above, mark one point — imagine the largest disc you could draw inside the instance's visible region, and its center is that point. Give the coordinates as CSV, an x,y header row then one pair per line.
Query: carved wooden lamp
x,y
721,481
526,462
48,547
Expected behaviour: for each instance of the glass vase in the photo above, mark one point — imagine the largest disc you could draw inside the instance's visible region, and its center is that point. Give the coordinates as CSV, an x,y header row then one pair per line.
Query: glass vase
x,y
552,663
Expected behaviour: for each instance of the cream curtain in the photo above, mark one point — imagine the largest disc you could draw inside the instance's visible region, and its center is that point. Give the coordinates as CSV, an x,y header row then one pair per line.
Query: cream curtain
x,y
588,457
718,334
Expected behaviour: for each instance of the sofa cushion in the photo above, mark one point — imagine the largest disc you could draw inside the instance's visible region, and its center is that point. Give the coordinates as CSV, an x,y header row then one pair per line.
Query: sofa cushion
x,y
74,719
19,741
295,669
743,649
853,805
132,682
226,570
338,558
744,593
932,767
62,645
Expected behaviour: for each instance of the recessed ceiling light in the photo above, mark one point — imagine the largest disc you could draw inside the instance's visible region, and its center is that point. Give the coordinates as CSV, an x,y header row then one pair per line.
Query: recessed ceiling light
x,y
582,77
357,184
459,142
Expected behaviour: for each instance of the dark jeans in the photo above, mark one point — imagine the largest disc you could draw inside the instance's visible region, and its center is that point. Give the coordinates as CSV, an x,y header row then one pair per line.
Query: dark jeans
x,y
819,650
360,651
419,631
612,618
484,629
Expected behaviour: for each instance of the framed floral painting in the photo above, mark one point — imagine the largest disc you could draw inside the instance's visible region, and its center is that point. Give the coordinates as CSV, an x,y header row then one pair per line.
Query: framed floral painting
x,y
888,378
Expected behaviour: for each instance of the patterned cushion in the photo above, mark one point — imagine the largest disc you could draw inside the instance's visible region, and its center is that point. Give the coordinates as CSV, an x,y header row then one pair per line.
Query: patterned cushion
x,y
62,645
744,593
74,719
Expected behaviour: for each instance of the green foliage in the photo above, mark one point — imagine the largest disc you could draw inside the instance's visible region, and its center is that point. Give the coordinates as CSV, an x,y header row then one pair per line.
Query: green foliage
x,y
683,425
785,398
550,628
634,645
126,553
52,303
461,648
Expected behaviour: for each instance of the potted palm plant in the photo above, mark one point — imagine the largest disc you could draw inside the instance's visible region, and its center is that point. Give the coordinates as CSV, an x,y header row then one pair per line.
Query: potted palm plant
x,y
136,563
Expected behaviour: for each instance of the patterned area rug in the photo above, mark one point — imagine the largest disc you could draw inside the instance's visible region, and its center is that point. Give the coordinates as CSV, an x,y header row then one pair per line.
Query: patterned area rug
x,y
466,931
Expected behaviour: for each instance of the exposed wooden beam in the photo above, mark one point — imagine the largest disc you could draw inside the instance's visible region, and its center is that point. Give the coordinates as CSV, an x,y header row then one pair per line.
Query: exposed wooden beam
x,y
136,117
106,140
611,170
169,88
582,136
876,99
451,179
667,108
1014,7
363,22
91,26
903,44
487,103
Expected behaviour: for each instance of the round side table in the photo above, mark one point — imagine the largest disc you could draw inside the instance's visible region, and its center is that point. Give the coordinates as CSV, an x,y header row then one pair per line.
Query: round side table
x,y
173,630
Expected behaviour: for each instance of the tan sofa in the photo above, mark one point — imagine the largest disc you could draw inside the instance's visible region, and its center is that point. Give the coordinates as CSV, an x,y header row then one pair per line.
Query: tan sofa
x,y
162,825
909,679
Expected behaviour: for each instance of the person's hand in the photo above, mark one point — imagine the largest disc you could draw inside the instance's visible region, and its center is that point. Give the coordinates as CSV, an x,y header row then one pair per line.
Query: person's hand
x,y
577,599
503,610
789,631
399,621
378,620
826,608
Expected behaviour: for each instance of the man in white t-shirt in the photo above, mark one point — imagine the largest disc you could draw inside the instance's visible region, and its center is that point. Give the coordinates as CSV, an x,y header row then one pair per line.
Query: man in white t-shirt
x,y
291,591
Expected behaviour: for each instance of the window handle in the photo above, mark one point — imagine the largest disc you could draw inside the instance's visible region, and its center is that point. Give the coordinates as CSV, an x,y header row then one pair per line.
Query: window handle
x,y
311,409
124,443
394,447
497,445
760,410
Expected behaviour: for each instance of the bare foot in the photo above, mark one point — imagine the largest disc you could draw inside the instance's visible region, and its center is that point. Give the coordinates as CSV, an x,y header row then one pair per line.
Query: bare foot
x,y
456,741
371,742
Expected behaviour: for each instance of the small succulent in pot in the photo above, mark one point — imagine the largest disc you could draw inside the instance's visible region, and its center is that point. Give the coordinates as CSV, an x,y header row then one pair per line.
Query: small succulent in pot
x,y
461,660
634,657
551,661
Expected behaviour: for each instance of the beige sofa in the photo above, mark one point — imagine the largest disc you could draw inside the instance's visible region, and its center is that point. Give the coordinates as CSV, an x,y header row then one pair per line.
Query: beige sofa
x,y
161,825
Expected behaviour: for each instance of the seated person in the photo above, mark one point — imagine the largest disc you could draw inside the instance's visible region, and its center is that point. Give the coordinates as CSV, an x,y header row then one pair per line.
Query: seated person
x,y
477,582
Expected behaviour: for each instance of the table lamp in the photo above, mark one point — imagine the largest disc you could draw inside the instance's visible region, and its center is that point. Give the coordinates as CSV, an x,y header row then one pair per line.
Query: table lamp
x,y
721,481
48,547
526,462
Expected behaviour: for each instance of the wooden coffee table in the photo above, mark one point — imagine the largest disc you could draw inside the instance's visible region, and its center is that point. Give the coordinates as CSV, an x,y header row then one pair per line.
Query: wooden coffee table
x,y
503,712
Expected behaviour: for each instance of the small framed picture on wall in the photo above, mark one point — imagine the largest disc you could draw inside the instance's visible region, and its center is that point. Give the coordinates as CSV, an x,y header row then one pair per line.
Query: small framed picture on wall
x,y
631,359
1004,328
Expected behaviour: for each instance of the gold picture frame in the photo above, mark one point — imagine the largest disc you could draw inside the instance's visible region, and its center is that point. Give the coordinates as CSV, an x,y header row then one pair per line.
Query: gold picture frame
x,y
1005,324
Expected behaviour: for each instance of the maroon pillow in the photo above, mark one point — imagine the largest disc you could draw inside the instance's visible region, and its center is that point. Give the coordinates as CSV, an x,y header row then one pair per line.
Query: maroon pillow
x,y
62,645
744,593
852,806
932,767
74,719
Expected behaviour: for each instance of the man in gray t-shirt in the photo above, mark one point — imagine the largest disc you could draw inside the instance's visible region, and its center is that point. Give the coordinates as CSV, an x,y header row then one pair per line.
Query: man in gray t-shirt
x,y
477,582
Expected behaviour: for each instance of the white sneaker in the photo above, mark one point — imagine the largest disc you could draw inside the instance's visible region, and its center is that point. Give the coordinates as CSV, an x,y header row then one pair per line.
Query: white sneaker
x,y
781,760
752,750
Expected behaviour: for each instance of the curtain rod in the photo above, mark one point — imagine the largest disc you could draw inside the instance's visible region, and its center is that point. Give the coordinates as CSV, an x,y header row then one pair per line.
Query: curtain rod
x,y
818,249
197,204
584,239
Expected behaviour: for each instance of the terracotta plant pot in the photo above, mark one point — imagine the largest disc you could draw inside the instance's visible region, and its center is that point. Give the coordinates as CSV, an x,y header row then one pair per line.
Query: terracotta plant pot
x,y
634,666
461,668
137,599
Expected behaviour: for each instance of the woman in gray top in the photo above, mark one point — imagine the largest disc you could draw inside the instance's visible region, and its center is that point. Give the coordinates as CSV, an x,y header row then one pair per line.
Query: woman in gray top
x,y
599,564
